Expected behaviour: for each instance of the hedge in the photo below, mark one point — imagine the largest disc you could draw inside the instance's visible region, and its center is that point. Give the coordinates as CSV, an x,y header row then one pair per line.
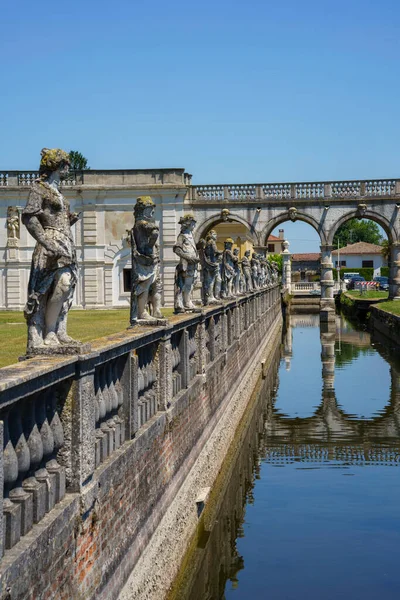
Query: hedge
x,y
366,272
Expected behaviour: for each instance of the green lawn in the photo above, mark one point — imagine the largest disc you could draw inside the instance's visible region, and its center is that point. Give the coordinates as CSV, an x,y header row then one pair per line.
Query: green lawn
x,y
367,294
392,306
84,325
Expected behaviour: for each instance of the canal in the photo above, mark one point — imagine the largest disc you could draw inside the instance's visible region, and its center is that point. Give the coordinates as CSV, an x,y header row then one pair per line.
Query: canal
x,y
310,508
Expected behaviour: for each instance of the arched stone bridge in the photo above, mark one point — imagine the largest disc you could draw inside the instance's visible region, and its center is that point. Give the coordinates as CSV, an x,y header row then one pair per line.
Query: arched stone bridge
x,y
323,205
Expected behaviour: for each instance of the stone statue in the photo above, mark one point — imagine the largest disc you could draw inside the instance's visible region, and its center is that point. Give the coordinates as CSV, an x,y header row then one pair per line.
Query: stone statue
x,y
54,267
263,270
146,282
238,272
254,270
246,268
292,211
228,269
12,223
211,265
275,271
186,270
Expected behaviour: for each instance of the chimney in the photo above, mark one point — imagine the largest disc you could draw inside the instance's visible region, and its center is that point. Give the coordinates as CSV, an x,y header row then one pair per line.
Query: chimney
x,y
281,234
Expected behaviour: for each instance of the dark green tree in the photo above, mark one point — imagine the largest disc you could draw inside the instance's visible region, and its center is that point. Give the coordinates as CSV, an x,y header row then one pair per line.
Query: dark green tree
x,y
356,230
78,161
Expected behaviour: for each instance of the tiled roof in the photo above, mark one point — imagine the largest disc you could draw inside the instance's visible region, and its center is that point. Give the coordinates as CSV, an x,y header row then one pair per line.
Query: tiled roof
x,y
359,248
273,238
306,257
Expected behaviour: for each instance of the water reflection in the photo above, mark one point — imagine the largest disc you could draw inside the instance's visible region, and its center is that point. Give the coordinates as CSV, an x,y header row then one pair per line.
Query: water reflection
x,y
311,509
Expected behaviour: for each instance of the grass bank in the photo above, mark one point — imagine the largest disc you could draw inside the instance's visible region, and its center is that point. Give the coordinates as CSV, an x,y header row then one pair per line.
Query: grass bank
x,y
83,325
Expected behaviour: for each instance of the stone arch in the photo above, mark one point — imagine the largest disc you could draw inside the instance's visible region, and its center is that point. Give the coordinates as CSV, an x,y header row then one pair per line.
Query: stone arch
x,y
387,226
301,216
203,228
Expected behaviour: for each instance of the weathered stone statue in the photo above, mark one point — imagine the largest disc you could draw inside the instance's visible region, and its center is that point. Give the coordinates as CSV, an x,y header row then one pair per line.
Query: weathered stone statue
x,y
238,272
263,270
186,270
146,282
54,268
12,223
228,269
211,265
254,270
275,271
269,272
246,268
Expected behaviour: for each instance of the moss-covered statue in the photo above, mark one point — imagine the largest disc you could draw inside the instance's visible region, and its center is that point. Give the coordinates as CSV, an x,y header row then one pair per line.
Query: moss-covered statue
x,y
211,268
228,269
54,267
146,282
238,273
246,269
186,270
254,270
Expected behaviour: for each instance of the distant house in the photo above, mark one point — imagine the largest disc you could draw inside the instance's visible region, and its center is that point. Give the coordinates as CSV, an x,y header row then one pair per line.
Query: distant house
x,y
306,265
274,244
359,255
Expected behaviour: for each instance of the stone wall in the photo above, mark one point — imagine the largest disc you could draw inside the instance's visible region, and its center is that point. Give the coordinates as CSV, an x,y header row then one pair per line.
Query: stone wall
x,y
128,421
385,323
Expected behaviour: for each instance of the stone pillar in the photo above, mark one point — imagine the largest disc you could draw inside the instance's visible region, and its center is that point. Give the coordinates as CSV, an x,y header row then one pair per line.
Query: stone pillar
x,y
184,364
394,281
78,419
126,381
165,373
201,346
287,268
327,301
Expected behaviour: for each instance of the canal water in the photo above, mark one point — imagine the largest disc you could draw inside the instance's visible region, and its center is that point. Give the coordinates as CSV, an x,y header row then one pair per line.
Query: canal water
x,y
311,508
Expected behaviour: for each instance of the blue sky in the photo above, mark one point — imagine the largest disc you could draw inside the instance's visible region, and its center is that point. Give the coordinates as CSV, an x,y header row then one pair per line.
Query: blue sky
x,y
234,92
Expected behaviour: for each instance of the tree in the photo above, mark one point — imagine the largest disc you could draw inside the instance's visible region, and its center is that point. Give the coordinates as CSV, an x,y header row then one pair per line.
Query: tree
x,y
385,249
78,161
356,230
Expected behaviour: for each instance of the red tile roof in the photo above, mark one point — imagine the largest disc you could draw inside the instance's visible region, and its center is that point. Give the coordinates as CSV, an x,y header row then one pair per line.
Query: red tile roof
x,y
273,238
359,248
306,257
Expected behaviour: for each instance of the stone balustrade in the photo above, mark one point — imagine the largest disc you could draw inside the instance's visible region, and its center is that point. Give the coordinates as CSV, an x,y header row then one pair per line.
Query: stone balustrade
x,y
106,177
380,188
64,417
317,190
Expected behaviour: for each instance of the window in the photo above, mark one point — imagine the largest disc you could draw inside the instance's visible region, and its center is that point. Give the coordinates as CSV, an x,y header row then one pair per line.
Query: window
x,y
127,276
342,263
271,248
368,263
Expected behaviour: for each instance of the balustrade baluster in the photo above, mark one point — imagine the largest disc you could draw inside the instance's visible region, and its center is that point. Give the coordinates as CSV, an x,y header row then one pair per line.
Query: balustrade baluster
x,y
18,494
46,434
11,511
34,440
52,465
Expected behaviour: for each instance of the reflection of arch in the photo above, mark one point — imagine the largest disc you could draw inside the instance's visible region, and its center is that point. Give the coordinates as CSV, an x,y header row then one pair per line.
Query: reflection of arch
x,y
369,214
300,216
202,229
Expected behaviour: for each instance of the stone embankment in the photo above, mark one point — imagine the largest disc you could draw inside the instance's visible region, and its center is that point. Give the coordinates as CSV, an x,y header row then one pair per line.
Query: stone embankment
x,y
100,448
386,324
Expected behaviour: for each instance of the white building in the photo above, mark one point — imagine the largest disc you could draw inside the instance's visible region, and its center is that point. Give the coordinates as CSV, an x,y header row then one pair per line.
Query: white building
x,y
359,255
